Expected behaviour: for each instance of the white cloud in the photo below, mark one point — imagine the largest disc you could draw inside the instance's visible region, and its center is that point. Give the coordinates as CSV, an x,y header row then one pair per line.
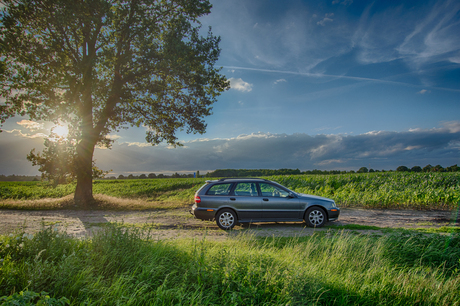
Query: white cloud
x,y
385,150
280,81
17,132
327,18
240,85
31,125
452,126
113,137
138,144
423,91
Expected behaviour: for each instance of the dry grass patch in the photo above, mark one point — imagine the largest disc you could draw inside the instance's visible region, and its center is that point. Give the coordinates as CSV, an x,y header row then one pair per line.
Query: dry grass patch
x,y
101,202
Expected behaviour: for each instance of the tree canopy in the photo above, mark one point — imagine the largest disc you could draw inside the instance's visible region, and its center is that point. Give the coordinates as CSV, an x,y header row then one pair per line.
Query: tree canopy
x,y
101,65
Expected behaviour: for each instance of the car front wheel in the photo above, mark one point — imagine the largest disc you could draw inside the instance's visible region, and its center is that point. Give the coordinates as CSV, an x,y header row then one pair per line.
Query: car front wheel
x,y
226,219
315,217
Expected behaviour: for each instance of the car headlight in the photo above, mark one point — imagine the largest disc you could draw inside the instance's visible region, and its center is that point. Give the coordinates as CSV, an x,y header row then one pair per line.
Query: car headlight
x,y
333,204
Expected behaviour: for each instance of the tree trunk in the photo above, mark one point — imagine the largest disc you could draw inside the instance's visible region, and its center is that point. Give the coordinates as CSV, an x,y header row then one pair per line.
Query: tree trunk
x,y
84,163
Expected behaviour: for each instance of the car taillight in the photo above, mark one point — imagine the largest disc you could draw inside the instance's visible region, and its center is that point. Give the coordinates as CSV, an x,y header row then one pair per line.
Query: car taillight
x,y
197,199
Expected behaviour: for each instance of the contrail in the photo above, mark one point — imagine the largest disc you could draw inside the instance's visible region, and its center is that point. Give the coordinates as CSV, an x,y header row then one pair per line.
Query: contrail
x,y
320,75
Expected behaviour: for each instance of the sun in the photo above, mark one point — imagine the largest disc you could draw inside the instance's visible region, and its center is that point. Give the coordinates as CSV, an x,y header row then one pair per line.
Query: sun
x,y
60,130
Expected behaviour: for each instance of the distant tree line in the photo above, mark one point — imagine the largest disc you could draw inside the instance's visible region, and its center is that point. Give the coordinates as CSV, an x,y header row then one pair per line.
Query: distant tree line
x,y
268,172
19,178
149,176
250,173
427,168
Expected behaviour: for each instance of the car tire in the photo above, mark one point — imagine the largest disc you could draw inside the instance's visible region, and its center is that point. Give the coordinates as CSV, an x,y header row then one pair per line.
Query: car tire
x,y
226,219
315,217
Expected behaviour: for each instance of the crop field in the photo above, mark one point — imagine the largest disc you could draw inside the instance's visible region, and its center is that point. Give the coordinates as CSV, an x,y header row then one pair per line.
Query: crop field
x,y
121,265
372,190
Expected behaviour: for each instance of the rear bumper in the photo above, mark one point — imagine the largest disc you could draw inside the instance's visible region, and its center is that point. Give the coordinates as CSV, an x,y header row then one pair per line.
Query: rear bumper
x,y
203,213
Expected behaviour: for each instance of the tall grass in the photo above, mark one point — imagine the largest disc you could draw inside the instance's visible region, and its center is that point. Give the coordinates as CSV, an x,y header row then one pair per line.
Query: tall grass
x,y
123,266
381,190
373,190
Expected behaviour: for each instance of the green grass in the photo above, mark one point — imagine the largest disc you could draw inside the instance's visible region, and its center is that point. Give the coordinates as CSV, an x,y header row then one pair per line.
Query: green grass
x,y
372,190
381,190
122,266
147,188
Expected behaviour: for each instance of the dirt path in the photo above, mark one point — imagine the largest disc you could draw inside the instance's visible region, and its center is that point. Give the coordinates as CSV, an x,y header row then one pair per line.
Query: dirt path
x,y
179,223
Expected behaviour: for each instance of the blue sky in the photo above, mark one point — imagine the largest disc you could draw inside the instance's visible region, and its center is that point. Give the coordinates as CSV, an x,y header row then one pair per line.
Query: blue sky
x,y
336,84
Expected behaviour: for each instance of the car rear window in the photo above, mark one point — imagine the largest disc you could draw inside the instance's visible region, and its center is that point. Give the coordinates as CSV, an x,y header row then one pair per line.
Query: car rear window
x,y
220,189
246,189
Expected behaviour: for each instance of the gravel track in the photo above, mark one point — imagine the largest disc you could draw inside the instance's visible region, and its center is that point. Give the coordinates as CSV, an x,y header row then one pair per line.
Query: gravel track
x,y
178,223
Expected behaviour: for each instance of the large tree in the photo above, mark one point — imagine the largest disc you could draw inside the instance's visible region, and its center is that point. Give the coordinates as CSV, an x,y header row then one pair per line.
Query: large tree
x,y
101,65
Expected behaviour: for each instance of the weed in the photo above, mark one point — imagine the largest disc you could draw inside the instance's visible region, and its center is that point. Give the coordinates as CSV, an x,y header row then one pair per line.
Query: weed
x,y
123,265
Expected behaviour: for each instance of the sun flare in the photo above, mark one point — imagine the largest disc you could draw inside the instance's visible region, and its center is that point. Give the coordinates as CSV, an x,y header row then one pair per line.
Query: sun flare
x,y
60,130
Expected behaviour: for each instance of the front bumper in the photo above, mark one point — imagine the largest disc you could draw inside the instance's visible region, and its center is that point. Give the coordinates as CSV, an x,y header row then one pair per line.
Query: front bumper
x,y
333,213
203,213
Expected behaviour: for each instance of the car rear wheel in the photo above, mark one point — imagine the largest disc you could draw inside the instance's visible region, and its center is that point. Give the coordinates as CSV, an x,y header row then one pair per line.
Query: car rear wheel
x,y
226,219
315,217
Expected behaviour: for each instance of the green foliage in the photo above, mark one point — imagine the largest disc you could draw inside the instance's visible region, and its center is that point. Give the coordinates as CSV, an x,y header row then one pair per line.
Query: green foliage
x,y
27,298
56,163
402,169
249,173
100,65
33,190
372,190
120,265
381,190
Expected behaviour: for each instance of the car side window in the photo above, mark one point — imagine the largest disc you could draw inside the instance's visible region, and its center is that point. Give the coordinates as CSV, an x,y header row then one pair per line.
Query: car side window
x,y
246,189
269,190
220,189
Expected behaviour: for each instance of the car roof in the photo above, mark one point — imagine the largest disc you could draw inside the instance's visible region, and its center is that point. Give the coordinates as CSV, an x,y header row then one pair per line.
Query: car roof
x,y
239,179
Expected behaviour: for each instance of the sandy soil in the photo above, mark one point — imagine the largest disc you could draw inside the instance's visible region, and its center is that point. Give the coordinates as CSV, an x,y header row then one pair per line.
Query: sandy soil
x,y
179,223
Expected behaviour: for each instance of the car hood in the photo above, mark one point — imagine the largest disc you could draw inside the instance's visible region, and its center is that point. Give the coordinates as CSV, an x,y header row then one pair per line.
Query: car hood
x,y
309,196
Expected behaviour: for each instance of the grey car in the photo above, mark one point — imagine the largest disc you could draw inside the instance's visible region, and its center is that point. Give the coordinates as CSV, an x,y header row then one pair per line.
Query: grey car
x,y
236,200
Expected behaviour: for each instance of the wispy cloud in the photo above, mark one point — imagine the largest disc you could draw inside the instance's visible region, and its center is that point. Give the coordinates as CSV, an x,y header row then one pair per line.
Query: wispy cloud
x,y
31,125
423,92
279,81
323,75
327,18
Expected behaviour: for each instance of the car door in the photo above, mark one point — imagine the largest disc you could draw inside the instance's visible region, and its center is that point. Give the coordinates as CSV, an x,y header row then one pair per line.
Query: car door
x,y
217,195
246,201
277,204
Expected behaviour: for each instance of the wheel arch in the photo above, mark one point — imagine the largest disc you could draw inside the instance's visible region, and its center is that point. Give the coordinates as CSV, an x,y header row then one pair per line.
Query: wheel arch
x,y
319,206
226,207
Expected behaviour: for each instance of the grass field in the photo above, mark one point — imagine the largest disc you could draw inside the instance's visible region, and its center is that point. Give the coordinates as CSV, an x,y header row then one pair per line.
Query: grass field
x,y
372,190
120,266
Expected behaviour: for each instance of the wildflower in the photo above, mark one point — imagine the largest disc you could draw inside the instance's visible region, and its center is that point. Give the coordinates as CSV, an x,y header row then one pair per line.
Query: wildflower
x,y
7,245
57,236
21,245
11,235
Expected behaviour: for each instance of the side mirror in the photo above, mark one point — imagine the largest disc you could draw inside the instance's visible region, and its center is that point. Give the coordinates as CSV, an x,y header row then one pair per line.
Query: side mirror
x,y
292,195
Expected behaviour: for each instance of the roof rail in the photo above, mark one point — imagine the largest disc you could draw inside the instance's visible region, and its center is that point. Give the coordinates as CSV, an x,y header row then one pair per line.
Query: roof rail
x,y
242,178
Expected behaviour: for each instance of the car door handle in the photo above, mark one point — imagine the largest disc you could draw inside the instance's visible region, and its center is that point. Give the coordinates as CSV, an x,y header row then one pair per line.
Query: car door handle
x,y
232,199
265,199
